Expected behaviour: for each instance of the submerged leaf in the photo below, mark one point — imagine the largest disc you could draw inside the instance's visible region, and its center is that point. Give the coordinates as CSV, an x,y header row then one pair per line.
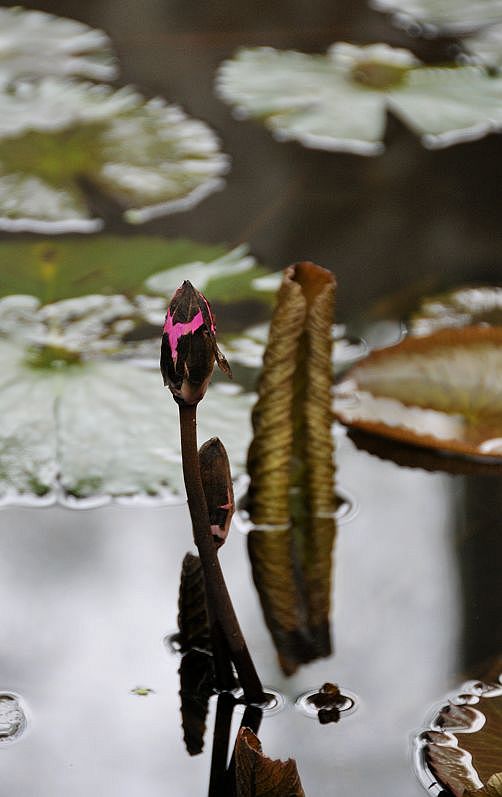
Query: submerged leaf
x,y
147,156
339,101
492,789
34,43
259,776
441,391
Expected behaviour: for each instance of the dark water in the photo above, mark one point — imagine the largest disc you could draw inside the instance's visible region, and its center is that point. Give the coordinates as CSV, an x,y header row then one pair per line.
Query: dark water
x,y
86,598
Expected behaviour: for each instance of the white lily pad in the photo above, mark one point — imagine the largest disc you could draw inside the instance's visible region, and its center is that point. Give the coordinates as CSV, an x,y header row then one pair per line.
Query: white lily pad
x,y
34,44
486,45
460,307
443,16
339,101
85,416
147,156
441,391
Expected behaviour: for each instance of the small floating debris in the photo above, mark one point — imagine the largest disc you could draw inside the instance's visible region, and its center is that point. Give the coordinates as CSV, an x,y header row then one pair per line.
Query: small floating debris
x,y
327,704
142,691
12,717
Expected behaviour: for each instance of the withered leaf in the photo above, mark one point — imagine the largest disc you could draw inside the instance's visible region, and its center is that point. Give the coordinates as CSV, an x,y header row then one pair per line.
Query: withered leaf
x,y
467,752
259,776
193,622
197,684
492,789
290,462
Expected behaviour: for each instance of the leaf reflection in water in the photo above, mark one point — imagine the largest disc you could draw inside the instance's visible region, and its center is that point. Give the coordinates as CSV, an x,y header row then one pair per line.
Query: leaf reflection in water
x,y
442,391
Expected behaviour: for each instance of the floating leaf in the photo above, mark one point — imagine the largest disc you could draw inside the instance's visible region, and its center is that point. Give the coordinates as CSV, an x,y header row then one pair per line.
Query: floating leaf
x,y
193,620
108,264
290,463
464,751
339,101
259,776
83,414
486,45
452,17
441,391
458,308
34,44
147,156
197,684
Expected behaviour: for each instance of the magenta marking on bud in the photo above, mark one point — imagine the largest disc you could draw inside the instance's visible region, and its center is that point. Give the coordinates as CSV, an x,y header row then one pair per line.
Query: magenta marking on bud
x,y
176,331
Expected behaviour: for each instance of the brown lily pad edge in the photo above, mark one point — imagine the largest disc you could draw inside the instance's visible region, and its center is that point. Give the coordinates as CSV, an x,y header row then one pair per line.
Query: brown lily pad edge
x,y
418,345
448,725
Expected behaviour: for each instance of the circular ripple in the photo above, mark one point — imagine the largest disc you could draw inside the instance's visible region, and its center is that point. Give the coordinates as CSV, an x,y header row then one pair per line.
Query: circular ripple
x,y
274,704
303,704
12,717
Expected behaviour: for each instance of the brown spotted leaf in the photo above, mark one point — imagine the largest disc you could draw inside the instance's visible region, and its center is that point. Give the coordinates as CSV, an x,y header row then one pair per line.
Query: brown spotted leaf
x,y
442,391
259,776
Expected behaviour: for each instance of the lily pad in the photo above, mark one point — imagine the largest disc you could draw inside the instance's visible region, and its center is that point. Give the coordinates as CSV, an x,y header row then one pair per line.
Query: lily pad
x,y
463,747
147,156
34,44
442,391
339,101
259,776
458,308
452,17
85,415
67,268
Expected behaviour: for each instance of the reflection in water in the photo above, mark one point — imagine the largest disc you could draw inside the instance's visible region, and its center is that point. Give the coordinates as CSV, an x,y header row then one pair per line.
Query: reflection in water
x,y
479,552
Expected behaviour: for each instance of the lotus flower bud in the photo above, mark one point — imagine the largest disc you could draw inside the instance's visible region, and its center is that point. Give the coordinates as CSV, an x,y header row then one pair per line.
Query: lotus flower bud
x,y
217,484
189,347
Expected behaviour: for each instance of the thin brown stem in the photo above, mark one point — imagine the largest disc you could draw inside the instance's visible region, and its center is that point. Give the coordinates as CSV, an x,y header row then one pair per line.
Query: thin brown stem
x,y
216,589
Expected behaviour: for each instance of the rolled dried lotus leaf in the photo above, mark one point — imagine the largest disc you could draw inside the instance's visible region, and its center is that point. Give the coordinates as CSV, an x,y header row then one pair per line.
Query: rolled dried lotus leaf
x,y
270,451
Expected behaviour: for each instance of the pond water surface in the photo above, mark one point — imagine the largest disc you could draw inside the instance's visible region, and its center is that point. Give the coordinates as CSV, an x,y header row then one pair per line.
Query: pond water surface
x,y
87,597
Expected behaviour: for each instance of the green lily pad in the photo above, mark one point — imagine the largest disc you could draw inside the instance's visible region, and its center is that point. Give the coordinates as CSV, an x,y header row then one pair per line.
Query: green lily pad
x,y
339,101
34,44
147,156
59,269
